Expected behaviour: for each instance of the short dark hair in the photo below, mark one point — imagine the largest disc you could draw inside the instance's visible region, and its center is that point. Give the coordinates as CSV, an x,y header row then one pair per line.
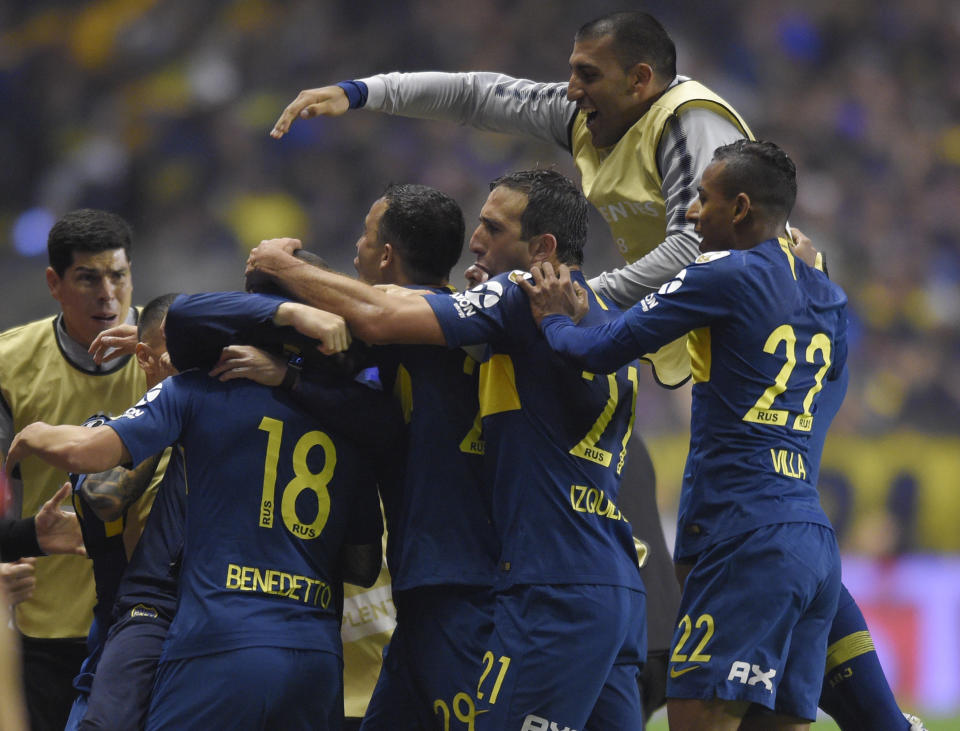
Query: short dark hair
x,y
555,206
763,171
426,227
86,230
637,38
261,283
152,314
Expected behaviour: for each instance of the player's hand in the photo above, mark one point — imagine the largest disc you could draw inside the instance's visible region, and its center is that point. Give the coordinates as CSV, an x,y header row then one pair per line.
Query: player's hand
x,y
327,101
246,361
114,342
803,247
58,531
475,275
554,293
330,329
23,445
271,255
18,579
165,367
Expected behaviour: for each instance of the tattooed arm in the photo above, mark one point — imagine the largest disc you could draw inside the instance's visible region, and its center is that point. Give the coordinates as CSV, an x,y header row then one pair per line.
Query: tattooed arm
x,y
110,493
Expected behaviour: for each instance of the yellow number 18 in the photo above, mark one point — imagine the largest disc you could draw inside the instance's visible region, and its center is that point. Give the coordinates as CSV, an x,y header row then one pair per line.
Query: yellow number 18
x,y
304,479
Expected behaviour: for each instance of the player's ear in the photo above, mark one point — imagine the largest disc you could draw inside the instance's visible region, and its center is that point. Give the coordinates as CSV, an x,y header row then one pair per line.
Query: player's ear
x,y
641,76
741,207
53,283
542,247
387,256
144,355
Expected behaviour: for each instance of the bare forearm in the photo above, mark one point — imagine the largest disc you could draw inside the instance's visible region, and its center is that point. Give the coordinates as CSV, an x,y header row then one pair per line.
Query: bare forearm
x,y
373,316
70,448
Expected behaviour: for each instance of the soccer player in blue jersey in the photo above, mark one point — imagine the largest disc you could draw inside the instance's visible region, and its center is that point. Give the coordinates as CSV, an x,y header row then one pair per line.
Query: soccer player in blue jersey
x,y
640,135
275,497
762,570
568,637
102,501
136,600
441,547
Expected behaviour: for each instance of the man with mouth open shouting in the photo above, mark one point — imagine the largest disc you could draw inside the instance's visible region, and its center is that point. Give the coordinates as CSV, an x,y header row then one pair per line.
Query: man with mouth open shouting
x,y
46,373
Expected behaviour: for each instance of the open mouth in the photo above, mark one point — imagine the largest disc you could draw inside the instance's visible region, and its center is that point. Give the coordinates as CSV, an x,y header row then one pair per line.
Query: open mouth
x,y
105,319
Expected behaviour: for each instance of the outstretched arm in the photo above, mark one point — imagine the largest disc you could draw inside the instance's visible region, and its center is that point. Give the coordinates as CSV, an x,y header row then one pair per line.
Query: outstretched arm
x,y
372,315
66,447
554,298
487,101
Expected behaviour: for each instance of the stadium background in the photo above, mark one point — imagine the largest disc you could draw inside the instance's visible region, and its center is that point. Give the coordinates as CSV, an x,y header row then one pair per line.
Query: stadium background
x,y
160,111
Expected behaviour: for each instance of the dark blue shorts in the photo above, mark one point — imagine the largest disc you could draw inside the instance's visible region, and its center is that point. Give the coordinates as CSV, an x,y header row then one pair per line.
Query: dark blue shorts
x,y
253,688
432,664
567,655
754,618
120,695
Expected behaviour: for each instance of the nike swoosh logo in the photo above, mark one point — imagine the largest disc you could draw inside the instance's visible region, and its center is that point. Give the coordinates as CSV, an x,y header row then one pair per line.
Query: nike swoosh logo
x,y
678,673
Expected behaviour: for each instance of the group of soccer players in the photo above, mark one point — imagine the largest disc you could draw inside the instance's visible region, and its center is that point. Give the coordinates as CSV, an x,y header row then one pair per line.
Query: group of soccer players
x,y
516,578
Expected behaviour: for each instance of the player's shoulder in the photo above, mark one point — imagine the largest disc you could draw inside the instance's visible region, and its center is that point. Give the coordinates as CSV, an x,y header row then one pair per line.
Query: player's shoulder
x,y
489,295
708,264
28,331
821,288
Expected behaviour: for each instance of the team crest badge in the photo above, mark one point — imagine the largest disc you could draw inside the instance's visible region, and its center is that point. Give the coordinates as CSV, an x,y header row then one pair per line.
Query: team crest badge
x,y
518,274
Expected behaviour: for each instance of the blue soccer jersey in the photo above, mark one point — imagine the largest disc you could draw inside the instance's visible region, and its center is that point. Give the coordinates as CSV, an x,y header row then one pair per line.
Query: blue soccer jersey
x,y
766,333
438,518
149,585
440,531
272,496
555,439
103,542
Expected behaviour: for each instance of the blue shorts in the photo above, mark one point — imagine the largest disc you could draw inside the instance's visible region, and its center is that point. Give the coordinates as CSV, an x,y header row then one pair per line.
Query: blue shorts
x,y
754,618
432,664
567,655
120,696
253,688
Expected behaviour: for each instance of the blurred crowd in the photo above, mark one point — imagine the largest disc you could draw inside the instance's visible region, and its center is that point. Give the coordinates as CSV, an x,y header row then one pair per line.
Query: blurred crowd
x,y
159,110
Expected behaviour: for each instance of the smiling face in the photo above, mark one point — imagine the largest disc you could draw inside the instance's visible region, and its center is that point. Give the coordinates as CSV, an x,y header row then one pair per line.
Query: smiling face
x,y
603,90
497,241
713,212
94,292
